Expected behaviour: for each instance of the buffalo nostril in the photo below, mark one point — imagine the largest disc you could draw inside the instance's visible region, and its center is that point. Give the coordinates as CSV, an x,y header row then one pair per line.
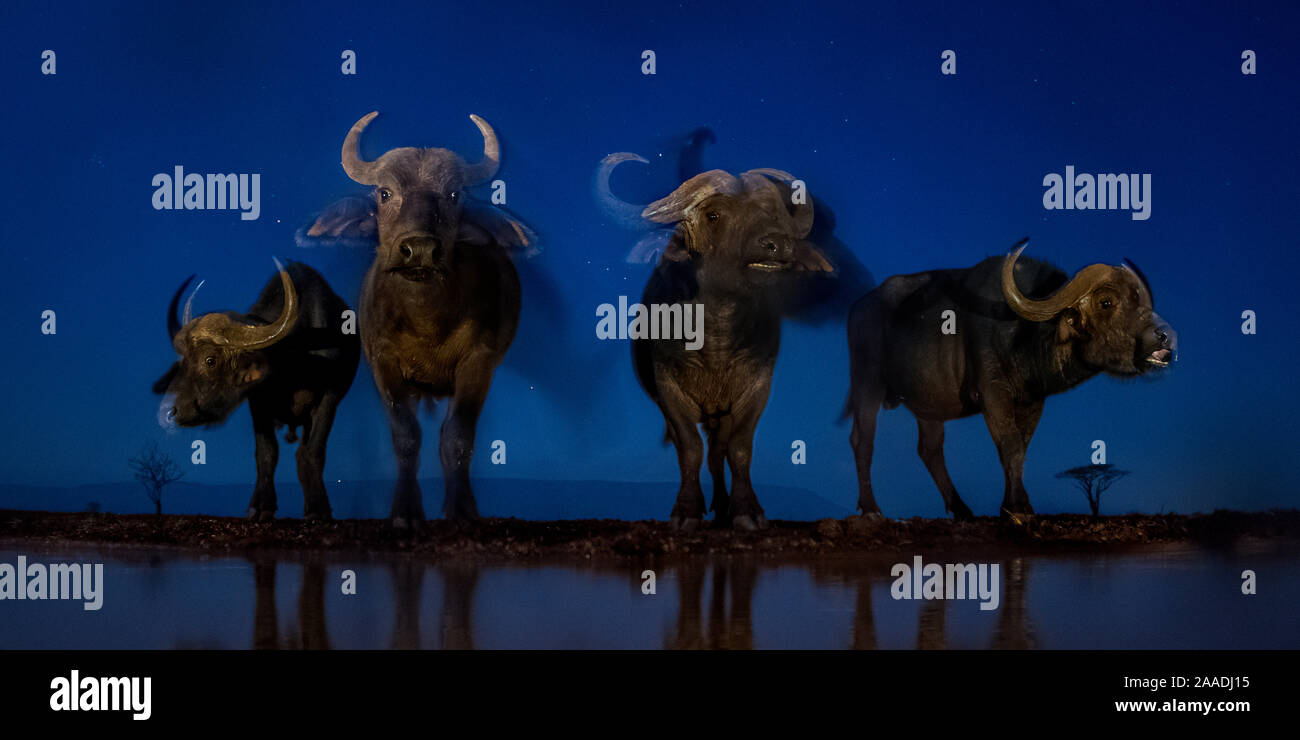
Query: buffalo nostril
x,y
770,247
1162,336
405,251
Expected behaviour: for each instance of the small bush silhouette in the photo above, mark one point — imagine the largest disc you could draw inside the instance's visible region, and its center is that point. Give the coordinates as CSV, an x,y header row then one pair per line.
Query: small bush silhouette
x,y
154,469
1093,480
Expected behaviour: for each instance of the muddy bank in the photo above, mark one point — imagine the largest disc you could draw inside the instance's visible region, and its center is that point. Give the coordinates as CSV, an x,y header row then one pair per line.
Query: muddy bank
x,y
520,539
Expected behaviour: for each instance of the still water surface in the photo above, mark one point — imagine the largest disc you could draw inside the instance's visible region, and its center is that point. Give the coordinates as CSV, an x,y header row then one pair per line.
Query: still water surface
x,y
1166,597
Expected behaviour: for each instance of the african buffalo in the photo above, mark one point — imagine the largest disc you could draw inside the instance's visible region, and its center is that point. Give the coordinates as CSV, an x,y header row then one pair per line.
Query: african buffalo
x,y
440,303
735,243
1012,349
288,355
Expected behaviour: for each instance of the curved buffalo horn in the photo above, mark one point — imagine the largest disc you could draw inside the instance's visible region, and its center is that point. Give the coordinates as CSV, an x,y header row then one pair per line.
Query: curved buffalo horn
x,y
189,303
755,182
476,174
173,321
626,214
802,211
775,174
675,206
1142,278
220,329
1080,285
357,168
246,337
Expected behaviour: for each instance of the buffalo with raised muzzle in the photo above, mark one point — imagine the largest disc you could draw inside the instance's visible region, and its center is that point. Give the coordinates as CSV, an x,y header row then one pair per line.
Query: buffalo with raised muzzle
x,y
288,356
735,244
1023,331
440,302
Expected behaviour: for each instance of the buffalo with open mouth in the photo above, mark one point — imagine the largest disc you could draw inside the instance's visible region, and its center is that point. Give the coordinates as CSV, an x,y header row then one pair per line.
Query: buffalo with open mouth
x,y
1024,331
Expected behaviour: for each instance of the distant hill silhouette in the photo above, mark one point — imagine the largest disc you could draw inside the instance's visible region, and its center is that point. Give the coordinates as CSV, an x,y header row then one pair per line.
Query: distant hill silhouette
x,y
526,499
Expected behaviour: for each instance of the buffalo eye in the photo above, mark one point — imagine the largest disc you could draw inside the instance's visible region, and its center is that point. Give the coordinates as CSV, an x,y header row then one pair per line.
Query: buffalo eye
x,y
711,215
384,195
455,196
1106,303
211,361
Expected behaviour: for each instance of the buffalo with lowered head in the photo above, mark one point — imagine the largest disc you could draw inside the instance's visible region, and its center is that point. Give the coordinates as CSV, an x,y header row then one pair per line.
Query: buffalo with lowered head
x,y
440,302
288,356
736,242
1025,331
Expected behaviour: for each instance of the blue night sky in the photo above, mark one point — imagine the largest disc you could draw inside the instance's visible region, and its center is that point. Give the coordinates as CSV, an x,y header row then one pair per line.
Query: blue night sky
x,y
922,171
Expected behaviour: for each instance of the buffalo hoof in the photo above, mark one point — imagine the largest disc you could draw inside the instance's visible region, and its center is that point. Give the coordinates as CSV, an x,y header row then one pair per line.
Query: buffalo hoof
x,y
460,508
464,515
961,512
684,524
747,523
865,524
462,524
407,524
259,515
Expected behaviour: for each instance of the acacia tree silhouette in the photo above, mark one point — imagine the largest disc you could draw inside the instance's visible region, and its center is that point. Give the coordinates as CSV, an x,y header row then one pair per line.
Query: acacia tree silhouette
x,y
1093,480
154,469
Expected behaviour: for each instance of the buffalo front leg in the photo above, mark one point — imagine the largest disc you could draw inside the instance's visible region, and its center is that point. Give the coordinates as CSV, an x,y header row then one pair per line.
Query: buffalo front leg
x,y
456,445
1011,425
311,460
1027,417
717,456
682,414
408,506
929,445
746,513
262,506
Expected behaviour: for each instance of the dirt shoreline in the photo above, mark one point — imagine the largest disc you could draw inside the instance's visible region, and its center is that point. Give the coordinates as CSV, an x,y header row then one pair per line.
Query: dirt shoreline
x,y
517,539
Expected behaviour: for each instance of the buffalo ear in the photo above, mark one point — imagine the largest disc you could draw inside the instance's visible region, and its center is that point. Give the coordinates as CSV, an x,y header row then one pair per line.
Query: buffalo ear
x,y
161,385
649,247
1069,326
348,222
252,372
483,223
808,258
